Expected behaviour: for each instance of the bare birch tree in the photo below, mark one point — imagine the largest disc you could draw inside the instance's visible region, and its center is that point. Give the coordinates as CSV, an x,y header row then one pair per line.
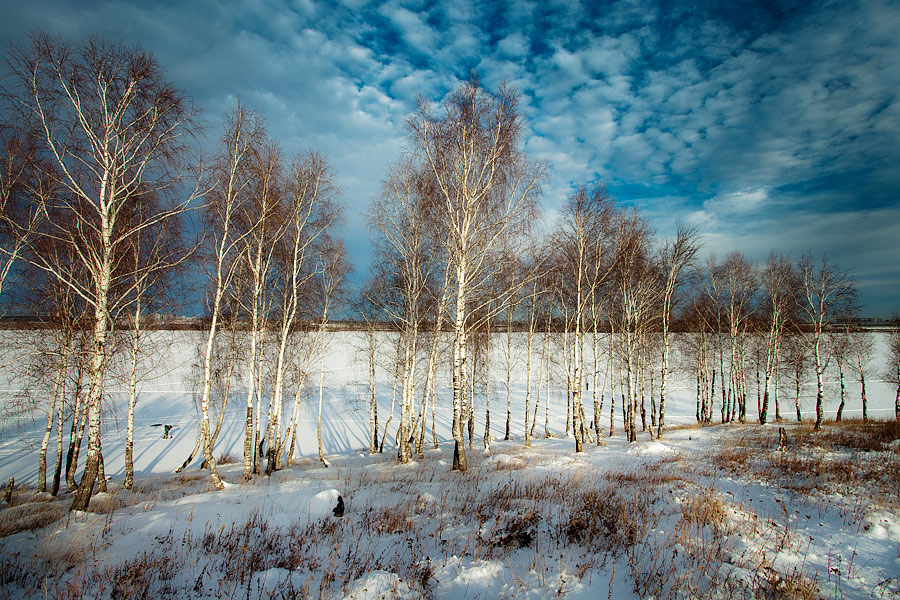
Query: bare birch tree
x,y
485,187
861,349
153,255
636,293
779,282
367,307
732,285
826,292
584,234
893,373
674,257
22,188
531,268
307,213
332,269
244,131
112,128
839,340
400,217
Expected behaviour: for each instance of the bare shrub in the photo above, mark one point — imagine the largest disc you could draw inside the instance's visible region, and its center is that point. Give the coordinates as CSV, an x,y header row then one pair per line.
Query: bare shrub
x,y
610,518
228,458
148,576
517,529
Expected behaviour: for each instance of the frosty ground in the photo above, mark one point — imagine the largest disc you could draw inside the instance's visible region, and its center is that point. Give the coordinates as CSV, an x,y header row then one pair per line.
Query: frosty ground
x,y
718,511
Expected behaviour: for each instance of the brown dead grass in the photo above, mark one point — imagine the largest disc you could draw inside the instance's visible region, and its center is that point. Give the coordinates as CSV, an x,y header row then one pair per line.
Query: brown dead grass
x,y
854,434
834,459
704,509
31,515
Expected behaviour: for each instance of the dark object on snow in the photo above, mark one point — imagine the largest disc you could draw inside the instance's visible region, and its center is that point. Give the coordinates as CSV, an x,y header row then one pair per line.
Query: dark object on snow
x,y
167,430
339,509
12,483
782,439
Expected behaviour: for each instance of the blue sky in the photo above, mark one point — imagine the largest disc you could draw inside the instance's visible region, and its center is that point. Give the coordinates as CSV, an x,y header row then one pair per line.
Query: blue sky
x,y
769,126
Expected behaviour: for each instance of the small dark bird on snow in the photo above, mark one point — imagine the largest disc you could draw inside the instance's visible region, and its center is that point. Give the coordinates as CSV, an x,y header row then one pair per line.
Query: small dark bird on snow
x,y
339,509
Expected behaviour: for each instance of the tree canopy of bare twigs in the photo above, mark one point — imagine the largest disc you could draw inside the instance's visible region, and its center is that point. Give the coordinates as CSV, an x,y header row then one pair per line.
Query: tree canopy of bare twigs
x,y
111,132
827,292
486,190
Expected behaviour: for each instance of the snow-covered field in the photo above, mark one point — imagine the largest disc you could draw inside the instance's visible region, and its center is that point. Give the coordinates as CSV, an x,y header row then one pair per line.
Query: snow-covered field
x,y
717,512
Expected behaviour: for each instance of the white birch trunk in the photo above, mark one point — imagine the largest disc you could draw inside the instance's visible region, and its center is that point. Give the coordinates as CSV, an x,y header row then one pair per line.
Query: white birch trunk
x,y
58,381
459,367
321,391
132,398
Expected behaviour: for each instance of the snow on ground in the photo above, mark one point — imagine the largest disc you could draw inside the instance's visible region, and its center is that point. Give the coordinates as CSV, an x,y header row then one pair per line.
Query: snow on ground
x,y
167,396
716,512
704,512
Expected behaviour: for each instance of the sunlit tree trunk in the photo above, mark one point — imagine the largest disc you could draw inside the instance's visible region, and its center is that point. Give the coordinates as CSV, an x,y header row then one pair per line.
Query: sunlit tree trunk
x,y
59,382
132,396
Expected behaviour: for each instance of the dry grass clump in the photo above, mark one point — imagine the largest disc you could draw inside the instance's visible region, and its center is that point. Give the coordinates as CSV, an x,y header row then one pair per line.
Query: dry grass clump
x,y
850,434
612,517
30,515
693,425
768,583
393,520
735,455
665,470
812,468
506,463
704,509
228,458
149,575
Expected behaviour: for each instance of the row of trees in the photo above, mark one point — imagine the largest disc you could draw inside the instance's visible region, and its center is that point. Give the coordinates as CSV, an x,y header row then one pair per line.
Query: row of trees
x,y
456,245
275,267
100,174
98,180
96,143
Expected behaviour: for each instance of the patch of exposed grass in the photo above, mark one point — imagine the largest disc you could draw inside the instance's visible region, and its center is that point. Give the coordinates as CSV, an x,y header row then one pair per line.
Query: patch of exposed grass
x,y
30,515
834,459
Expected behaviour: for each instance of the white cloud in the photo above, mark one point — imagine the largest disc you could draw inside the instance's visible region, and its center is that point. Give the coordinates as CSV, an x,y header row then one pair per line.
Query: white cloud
x,y
737,203
513,46
415,31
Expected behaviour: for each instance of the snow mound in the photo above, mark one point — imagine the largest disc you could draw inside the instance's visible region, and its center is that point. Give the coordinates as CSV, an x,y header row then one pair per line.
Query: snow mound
x,y
504,460
882,526
651,449
322,504
426,499
380,585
